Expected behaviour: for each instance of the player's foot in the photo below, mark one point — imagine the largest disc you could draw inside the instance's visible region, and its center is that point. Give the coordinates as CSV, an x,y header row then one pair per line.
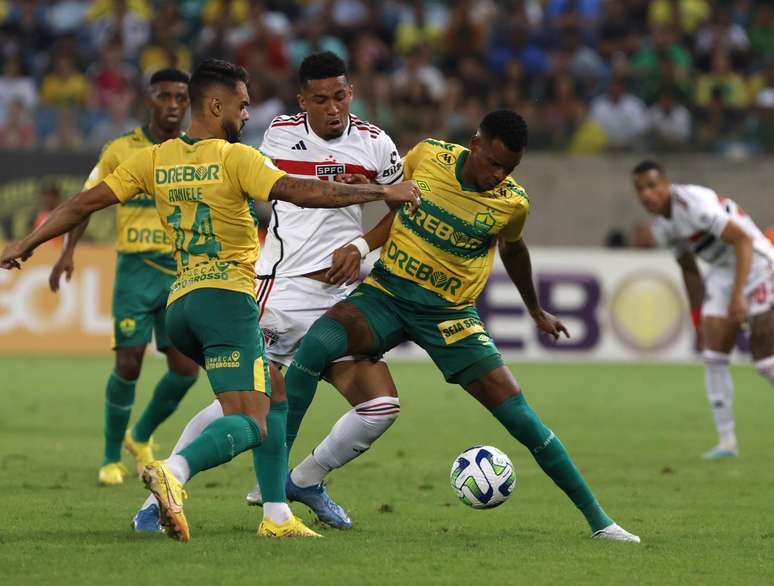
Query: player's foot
x,y
170,495
615,532
112,474
142,451
719,452
147,520
254,498
316,498
293,527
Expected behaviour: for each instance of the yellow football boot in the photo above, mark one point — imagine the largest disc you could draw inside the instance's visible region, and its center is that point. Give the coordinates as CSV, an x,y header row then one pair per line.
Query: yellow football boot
x,y
142,452
293,527
112,474
170,494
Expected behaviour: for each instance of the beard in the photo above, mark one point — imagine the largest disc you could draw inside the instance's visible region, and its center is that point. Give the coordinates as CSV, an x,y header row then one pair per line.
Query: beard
x,y
232,132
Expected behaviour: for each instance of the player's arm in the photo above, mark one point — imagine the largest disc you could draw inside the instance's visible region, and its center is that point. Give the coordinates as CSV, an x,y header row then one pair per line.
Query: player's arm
x,y
694,285
734,235
66,262
66,216
518,265
312,193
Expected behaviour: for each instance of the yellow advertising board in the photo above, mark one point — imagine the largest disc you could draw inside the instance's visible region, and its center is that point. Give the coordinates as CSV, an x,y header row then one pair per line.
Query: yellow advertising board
x,y
74,320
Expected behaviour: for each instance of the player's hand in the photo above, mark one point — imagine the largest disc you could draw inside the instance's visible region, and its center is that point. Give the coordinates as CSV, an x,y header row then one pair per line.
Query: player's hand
x,y
345,266
737,309
549,324
65,265
351,178
405,192
12,254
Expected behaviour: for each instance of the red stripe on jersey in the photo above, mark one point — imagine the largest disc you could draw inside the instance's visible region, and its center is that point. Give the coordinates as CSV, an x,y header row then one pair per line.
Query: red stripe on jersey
x,y
299,123
310,167
696,236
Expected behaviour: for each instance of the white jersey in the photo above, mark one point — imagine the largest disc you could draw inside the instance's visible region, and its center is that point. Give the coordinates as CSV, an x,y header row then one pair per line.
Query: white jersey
x,y
301,240
699,216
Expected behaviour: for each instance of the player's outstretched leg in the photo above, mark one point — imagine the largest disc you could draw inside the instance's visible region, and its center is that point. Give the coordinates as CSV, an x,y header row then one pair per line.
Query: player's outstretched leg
x,y
498,391
119,399
167,395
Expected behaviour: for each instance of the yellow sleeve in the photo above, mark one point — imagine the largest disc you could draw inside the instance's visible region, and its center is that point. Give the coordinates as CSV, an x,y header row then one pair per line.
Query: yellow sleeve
x,y
411,160
514,229
132,176
253,173
107,163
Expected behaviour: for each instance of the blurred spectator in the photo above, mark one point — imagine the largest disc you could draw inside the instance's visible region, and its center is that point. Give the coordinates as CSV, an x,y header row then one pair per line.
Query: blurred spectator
x,y
64,86
762,95
617,31
564,112
48,200
670,122
719,122
583,63
762,32
118,121
621,115
111,75
166,49
15,86
419,75
688,15
314,38
67,134
26,33
721,78
720,34
125,19
264,105
661,56
417,29
18,130
259,44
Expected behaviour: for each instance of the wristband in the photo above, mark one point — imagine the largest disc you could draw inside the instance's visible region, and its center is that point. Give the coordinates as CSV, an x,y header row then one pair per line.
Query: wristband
x,y
362,246
696,316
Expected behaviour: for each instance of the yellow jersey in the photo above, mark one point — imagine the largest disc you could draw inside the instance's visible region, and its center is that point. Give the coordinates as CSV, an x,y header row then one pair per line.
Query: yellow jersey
x,y
138,227
442,255
201,189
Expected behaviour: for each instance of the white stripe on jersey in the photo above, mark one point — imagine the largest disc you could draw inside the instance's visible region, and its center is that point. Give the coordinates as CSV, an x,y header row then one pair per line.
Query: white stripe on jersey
x,y
698,218
301,240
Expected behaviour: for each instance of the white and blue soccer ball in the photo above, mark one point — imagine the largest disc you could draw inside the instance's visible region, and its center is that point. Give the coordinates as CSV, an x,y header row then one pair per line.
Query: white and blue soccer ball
x,y
482,477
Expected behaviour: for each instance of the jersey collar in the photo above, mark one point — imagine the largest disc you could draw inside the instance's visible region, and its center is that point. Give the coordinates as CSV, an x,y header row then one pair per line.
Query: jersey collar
x,y
146,131
458,172
188,140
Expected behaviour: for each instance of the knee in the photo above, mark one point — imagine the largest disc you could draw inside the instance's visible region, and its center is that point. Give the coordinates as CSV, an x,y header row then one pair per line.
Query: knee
x,y
765,368
379,413
715,360
129,362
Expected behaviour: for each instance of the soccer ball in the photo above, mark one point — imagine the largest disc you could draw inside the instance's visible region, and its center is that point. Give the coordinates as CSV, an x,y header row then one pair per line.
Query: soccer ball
x,y
482,477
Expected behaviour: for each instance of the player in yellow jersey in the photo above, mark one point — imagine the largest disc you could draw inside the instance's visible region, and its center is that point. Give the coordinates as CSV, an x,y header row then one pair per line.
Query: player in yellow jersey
x,y
201,183
432,269
145,269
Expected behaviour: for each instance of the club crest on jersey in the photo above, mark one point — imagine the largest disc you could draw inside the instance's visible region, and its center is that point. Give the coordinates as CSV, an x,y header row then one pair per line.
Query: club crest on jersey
x,y
446,158
329,171
128,327
484,221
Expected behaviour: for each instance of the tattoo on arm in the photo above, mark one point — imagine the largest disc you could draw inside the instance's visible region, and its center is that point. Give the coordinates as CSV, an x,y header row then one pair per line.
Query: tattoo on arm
x,y
323,194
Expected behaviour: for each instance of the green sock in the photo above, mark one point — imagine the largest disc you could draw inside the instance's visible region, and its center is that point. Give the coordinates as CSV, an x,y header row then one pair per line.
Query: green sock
x,y
270,459
167,395
221,441
119,398
525,425
325,341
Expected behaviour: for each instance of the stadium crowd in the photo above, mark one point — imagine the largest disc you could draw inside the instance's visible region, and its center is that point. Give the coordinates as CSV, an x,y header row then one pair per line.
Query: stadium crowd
x,y
588,75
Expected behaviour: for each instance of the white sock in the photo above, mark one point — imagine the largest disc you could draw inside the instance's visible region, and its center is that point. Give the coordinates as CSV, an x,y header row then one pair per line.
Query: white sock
x,y
720,392
766,368
352,435
277,512
179,467
191,431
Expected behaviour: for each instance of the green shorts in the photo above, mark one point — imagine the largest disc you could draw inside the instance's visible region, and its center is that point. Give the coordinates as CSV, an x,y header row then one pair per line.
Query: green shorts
x,y
218,329
139,302
455,339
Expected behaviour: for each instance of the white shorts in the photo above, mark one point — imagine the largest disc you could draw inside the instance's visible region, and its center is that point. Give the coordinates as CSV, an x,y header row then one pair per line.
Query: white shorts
x,y
289,306
719,283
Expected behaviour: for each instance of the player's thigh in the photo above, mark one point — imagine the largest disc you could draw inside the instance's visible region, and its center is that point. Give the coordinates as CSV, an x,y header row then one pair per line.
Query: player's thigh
x,y
372,319
226,323
362,380
179,329
762,335
134,304
456,340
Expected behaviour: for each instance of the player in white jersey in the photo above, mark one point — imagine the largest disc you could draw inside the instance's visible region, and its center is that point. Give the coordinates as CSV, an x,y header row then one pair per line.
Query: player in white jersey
x,y
301,277
738,287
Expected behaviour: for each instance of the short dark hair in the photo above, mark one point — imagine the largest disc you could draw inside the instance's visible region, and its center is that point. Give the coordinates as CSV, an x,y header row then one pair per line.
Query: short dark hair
x,y
508,126
174,75
648,165
321,66
214,72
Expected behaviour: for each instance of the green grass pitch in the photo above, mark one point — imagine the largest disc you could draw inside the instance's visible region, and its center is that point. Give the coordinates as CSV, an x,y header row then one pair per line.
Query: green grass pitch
x,y
636,431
